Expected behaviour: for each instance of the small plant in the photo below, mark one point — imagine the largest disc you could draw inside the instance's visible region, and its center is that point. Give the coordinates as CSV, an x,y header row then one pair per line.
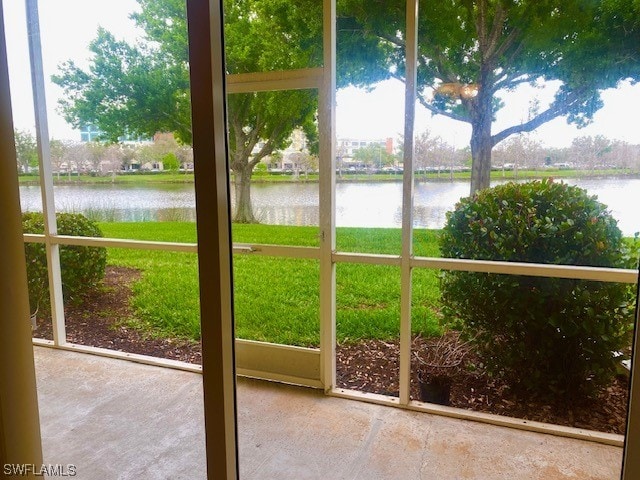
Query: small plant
x,y
438,367
82,267
545,336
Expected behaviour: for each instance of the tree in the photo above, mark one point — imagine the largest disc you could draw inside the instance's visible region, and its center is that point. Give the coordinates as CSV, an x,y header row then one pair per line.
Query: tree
x,y
75,158
519,152
129,155
26,150
624,155
472,51
58,150
590,152
303,162
143,89
94,153
112,160
434,153
184,154
163,150
374,155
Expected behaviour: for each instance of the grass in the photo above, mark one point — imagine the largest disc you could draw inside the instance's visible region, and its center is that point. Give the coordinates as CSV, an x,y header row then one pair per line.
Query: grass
x,y
277,299
134,179
173,177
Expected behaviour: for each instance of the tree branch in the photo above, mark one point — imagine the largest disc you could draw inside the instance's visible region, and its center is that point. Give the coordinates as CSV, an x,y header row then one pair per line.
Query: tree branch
x,y
556,109
510,81
445,74
506,44
392,40
492,46
268,147
436,111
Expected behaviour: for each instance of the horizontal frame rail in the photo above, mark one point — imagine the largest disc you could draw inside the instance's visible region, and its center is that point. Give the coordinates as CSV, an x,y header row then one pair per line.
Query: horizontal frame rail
x,y
306,78
113,243
290,251
368,259
267,361
492,419
602,274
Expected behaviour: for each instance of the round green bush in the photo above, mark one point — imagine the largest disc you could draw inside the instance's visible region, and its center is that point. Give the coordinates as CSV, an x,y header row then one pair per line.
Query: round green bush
x,y
82,267
545,336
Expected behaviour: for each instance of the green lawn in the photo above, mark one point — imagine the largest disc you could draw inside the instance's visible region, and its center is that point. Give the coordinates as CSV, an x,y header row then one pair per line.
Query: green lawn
x,y
176,177
276,299
138,178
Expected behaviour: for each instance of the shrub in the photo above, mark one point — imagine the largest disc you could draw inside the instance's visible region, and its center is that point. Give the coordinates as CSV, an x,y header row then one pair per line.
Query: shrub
x,y
546,336
170,162
260,170
82,267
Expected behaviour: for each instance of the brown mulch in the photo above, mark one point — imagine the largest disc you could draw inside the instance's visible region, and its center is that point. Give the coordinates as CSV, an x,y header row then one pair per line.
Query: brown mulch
x,y
104,319
373,366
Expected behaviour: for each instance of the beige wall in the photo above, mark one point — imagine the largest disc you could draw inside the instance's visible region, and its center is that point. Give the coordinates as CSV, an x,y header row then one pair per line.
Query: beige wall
x,y
19,422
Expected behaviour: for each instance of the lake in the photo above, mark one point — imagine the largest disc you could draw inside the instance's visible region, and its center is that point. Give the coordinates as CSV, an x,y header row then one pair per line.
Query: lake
x,y
366,204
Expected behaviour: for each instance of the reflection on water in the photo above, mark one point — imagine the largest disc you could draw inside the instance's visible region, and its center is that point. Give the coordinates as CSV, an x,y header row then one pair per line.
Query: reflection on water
x,y
357,204
298,215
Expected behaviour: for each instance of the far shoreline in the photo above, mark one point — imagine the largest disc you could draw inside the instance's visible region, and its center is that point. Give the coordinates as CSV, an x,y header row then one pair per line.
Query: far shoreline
x,y
444,176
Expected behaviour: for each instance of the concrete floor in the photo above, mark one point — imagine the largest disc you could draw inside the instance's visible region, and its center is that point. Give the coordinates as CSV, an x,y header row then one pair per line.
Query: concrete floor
x,y
115,419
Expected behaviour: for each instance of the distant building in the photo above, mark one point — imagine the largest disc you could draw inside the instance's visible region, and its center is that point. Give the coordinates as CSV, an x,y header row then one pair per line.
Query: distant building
x,y
91,133
294,159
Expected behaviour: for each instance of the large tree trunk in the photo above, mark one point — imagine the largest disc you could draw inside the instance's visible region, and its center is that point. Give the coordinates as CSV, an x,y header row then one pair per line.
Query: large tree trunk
x,y
481,141
242,187
481,146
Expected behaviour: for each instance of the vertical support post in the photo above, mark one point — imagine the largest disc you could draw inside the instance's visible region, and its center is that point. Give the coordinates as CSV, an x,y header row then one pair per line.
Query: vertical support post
x,y
46,175
19,418
631,459
327,127
411,59
208,100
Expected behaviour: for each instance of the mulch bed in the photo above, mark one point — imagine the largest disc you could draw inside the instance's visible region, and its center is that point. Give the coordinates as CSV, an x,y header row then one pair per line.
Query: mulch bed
x,y
102,320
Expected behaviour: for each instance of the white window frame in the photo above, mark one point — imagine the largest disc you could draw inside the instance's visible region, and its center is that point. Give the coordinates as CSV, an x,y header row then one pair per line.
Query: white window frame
x,y
311,367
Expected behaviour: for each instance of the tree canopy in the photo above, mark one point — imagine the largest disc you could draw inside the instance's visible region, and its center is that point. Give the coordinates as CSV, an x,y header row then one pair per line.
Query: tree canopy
x,y
26,150
472,50
144,88
375,156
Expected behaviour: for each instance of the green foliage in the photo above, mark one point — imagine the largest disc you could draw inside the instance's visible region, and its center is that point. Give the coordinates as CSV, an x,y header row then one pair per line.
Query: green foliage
x,y
544,335
82,267
494,46
170,162
374,155
26,150
261,170
143,89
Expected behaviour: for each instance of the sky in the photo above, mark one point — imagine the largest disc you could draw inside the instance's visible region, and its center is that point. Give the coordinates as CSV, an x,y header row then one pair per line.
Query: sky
x,y
68,26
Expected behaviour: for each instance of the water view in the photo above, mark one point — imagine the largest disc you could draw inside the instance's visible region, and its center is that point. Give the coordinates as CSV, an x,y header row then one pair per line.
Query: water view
x,y
373,204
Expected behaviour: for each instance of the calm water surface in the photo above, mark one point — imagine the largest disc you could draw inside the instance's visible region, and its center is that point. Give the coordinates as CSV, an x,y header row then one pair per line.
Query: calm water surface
x,y
375,204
